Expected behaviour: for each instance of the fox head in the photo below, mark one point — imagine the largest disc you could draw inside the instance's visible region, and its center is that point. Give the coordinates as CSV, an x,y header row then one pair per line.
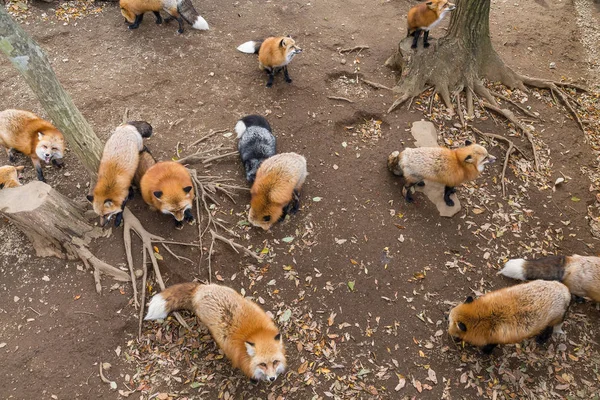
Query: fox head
x,y
264,213
266,355
439,6
175,200
9,176
51,145
458,320
290,47
474,154
105,208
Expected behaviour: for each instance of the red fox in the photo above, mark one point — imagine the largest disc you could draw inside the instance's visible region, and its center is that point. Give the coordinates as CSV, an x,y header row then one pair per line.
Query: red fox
x,y
146,161
9,176
133,11
580,274
276,190
274,53
118,165
439,164
36,138
167,187
245,333
426,16
511,315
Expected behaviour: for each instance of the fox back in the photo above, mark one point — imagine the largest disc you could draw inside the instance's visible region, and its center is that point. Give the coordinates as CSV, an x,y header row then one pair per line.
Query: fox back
x,y
245,333
276,180
256,143
510,315
167,187
439,164
118,165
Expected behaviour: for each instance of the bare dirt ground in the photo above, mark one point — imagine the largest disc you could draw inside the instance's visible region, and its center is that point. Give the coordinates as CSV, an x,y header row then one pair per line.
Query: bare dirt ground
x,y
362,289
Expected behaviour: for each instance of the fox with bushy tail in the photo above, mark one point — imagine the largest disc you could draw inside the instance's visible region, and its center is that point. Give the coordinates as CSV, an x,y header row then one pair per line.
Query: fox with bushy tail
x,y
181,10
243,331
274,54
256,143
580,274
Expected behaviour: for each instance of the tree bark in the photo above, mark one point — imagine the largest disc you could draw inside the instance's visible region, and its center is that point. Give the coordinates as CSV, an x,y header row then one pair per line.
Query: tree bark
x,y
55,226
29,59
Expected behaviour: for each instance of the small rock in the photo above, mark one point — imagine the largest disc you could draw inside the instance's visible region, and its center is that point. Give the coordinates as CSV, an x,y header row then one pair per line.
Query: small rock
x,y
138,274
343,62
16,298
552,65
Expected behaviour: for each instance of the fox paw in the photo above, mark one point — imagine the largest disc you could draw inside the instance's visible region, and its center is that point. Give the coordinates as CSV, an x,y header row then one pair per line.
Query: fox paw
x,y
426,45
414,46
288,80
449,202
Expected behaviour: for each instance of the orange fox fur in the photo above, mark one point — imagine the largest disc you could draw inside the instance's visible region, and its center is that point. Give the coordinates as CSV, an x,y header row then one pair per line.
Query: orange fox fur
x,y
167,187
33,136
439,164
511,315
425,14
118,166
274,52
579,273
243,331
9,176
276,189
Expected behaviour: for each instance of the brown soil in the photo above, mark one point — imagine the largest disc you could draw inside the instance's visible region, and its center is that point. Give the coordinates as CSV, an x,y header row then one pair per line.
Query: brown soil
x,y
407,265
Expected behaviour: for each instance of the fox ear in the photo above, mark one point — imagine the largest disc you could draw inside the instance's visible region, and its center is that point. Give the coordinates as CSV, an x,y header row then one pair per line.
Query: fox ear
x,y
461,326
429,3
90,197
187,189
250,349
468,142
469,159
158,194
20,168
40,135
282,43
278,337
469,300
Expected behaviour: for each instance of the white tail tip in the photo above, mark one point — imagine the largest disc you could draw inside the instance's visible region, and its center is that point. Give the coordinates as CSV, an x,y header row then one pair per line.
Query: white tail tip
x,y
157,308
248,47
514,269
240,128
200,24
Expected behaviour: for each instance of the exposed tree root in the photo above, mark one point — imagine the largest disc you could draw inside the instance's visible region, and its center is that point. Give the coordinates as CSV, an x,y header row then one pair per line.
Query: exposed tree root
x,y
515,104
131,223
509,150
376,85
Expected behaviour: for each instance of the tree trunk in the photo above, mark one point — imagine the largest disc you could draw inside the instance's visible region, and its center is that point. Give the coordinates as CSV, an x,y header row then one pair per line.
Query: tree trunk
x,y
30,60
455,62
55,226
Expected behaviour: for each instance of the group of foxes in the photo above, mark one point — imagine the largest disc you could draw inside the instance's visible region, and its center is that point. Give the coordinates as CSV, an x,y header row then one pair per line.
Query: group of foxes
x,y
245,333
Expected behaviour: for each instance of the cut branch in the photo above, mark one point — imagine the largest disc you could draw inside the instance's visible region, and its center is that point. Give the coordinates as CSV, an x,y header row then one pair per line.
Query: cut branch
x,y
55,226
376,85
355,48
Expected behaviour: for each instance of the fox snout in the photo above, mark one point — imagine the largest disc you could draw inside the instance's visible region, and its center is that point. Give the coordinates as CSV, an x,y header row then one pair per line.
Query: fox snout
x,y
491,159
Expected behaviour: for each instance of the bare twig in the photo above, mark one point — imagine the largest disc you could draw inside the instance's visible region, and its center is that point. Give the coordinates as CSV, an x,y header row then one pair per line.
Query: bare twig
x,y
460,110
125,115
177,150
351,49
376,85
431,100
511,117
501,138
208,135
470,113
178,257
143,290
340,98
102,377
39,315
175,123
514,103
217,157
84,312
511,147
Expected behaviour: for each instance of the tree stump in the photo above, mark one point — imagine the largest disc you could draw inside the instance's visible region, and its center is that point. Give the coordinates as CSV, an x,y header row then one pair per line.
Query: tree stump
x,y
55,226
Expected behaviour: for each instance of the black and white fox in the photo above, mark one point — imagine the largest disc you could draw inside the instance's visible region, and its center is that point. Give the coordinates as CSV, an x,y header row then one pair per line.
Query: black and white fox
x,y
256,143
